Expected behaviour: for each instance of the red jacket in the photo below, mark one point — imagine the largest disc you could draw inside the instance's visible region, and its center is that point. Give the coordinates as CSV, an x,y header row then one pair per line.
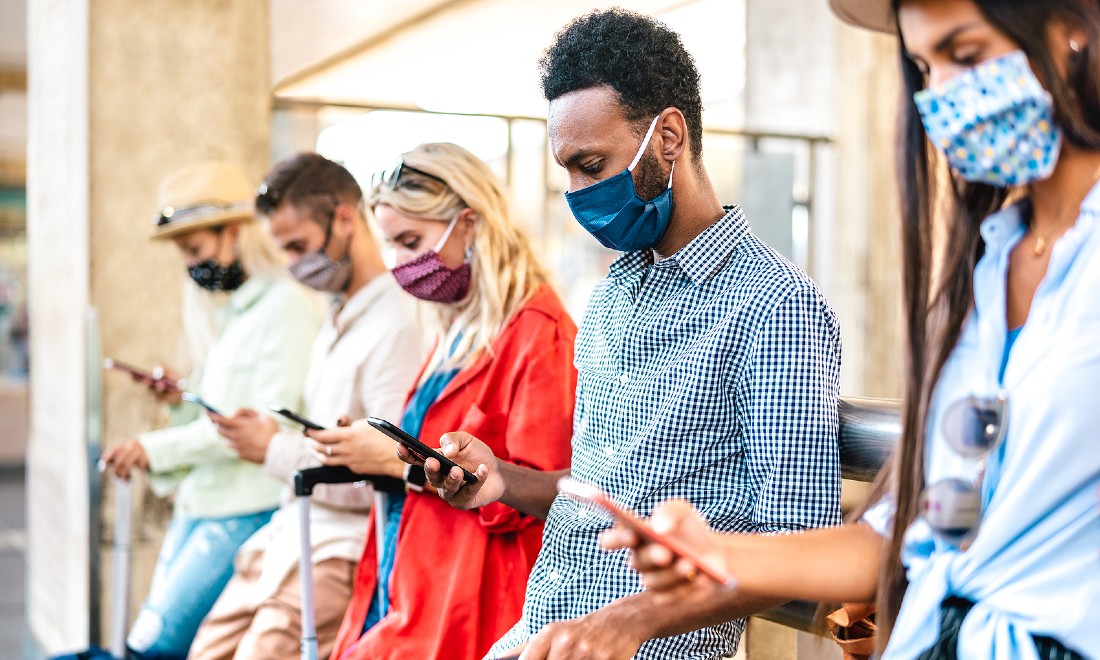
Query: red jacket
x,y
459,577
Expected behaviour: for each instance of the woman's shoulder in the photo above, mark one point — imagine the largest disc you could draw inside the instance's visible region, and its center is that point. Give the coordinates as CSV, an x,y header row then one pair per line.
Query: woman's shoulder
x,y
542,312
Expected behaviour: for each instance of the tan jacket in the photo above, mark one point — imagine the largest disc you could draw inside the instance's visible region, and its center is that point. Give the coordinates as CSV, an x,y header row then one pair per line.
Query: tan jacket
x,y
364,360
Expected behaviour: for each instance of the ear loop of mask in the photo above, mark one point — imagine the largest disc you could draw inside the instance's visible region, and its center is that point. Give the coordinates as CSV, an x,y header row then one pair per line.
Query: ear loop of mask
x,y
328,236
641,150
447,234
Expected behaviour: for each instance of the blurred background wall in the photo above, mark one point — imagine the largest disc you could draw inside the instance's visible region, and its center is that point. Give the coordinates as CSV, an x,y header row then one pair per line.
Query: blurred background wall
x,y
99,100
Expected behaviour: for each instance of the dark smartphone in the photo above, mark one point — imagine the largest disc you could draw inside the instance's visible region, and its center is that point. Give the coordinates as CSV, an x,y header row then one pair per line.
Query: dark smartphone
x,y
593,496
156,375
419,449
295,417
197,400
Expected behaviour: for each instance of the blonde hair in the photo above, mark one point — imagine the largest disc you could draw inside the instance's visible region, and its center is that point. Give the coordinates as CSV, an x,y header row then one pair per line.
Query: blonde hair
x,y
258,253
505,272
259,257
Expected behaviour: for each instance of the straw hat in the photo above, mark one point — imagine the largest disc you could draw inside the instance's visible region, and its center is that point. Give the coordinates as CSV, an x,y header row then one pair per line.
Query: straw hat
x,y
200,196
877,15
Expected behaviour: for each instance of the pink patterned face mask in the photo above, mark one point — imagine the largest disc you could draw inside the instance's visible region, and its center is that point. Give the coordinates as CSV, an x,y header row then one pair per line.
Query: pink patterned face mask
x,y
428,278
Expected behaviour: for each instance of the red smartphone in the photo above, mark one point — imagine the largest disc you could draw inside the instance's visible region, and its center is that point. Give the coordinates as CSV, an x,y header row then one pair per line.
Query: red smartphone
x,y
154,376
591,495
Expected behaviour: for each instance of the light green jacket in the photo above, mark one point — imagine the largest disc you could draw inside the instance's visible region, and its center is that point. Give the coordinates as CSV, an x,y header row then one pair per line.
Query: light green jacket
x,y
259,358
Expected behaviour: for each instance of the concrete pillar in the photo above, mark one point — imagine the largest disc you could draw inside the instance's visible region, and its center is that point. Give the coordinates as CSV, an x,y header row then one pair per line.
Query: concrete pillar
x,y
120,94
807,73
866,273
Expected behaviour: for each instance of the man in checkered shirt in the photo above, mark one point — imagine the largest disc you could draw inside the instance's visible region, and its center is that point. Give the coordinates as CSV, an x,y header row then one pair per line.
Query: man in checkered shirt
x,y
709,366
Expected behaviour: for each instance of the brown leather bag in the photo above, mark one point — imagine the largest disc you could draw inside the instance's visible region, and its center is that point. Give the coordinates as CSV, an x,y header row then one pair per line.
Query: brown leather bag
x,y
852,627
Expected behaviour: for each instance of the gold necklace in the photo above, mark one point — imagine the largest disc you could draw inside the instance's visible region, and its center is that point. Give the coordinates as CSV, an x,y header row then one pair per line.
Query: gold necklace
x,y
1040,246
1041,241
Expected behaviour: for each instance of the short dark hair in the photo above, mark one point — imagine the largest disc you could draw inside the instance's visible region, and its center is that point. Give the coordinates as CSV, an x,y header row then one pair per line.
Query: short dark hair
x,y
639,57
311,182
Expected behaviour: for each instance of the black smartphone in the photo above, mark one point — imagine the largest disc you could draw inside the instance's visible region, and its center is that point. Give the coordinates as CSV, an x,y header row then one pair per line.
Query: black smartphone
x,y
419,449
197,400
295,417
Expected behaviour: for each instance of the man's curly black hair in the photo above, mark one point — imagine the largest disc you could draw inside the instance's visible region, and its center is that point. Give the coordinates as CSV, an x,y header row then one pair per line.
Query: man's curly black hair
x,y
637,56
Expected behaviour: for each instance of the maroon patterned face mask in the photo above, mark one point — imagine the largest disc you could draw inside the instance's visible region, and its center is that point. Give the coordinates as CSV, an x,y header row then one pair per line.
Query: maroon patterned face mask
x,y
428,278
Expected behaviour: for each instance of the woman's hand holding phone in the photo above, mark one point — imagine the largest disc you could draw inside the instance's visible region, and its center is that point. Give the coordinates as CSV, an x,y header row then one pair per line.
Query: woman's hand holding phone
x,y
672,550
164,383
358,447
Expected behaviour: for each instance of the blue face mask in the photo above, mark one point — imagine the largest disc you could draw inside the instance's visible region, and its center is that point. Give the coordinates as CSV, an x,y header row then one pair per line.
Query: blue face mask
x,y
995,123
612,211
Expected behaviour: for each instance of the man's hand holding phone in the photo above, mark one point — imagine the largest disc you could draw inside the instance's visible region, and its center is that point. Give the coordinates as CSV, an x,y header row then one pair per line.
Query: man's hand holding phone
x,y
463,449
248,433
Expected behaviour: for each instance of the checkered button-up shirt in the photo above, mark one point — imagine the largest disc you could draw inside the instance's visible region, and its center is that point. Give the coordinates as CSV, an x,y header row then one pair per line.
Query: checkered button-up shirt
x,y
711,376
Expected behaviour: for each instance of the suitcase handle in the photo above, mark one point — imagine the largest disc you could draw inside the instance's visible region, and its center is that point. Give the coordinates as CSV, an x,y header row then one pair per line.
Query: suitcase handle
x,y
306,480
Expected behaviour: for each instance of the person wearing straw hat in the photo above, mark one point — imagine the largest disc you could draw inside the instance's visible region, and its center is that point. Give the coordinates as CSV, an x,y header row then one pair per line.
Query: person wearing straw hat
x,y
249,326
981,538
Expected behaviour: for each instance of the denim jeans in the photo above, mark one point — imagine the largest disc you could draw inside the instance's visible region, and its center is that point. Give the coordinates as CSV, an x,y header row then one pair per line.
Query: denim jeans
x,y
195,563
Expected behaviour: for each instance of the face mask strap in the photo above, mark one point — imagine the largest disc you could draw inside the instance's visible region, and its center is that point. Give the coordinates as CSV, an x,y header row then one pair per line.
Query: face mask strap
x,y
645,143
446,234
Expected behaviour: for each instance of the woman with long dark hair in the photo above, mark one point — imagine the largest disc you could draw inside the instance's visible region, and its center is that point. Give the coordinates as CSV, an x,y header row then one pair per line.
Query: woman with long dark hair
x,y
982,537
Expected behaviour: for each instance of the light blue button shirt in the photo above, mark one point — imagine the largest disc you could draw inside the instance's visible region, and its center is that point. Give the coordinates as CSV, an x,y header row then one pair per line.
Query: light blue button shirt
x,y
1034,567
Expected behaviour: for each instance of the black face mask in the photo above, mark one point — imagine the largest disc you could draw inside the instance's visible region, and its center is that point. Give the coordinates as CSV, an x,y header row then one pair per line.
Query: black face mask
x,y
213,276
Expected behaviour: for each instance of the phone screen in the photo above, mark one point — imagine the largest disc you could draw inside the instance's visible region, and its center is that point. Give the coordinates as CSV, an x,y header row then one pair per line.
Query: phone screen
x,y
295,417
419,449
591,495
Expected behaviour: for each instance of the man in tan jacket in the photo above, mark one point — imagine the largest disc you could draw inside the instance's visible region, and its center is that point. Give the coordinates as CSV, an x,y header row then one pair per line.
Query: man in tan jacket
x,y
363,363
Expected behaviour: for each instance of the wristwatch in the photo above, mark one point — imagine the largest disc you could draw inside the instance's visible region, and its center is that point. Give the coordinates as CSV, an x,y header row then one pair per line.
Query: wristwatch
x,y
415,478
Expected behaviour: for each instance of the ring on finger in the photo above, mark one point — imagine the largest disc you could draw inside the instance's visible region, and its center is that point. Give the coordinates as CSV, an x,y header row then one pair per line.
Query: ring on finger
x,y
328,450
692,575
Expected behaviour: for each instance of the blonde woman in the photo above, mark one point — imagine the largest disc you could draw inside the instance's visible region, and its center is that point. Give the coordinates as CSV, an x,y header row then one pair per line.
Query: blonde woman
x,y
250,327
453,581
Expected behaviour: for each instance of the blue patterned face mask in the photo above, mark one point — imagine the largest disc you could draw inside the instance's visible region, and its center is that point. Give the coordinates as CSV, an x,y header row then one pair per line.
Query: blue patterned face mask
x,y
994,122
612,211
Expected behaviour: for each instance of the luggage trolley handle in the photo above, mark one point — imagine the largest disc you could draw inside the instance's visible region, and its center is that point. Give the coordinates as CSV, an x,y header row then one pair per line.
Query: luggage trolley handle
x,y
306,480
304,483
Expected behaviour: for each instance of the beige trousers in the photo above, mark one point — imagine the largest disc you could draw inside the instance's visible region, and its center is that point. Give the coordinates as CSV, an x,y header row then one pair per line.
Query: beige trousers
x,y
240,628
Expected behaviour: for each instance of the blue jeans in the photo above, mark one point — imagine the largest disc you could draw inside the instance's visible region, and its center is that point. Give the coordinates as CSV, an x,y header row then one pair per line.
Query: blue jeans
x,y
195,563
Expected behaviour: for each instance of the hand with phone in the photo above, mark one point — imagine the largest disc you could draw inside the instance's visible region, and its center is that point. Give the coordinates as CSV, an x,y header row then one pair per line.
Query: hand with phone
x,y
461,448
164,383
248,433
359,447
673,553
